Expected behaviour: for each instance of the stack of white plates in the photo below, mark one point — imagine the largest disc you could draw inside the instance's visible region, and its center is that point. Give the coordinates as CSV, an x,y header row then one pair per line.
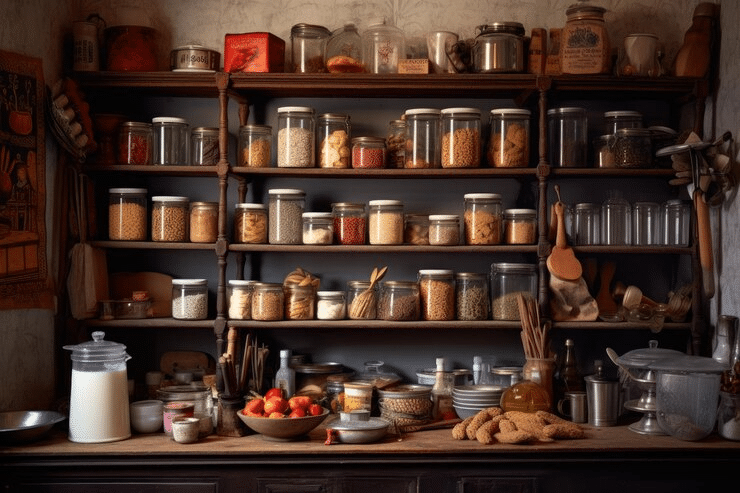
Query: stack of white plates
x,y
469,399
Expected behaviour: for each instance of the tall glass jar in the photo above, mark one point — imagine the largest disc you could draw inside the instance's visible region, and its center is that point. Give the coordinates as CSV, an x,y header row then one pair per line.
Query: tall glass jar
x,y
285,216
308,44
350,223
616,221
508,281
250,223
385,222
362,300
646,223
676,228
170,218
508,144
422,138
127,218
300,302
239,295
483,221
461,142
437,294
189,299
205,147
472,301
267,301
584,46
171,141
203,222
383,45
344,50
135,143
296,139
444,229
399,301
318,228
334,140
567,137
520,226
587,224
255,146
368,152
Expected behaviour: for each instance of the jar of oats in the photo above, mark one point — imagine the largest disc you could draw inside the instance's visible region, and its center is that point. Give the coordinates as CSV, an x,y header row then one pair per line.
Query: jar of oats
x,y
520,226
189,299
250,223
437,294
267,301
472,300
127,214
385,222
296,140
508,145
170,218
461,138
482,219
255,146
444,229
203,222
508,281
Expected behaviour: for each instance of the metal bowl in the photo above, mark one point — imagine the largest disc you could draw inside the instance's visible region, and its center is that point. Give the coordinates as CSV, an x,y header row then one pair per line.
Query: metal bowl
x,y
360,431
283,428
27,426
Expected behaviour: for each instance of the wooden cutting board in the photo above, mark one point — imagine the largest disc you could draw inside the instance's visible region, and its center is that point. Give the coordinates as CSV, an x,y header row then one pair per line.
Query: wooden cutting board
x,y
159,286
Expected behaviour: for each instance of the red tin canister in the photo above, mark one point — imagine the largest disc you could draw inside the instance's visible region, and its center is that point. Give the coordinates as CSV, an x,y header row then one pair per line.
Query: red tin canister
x,y
254,52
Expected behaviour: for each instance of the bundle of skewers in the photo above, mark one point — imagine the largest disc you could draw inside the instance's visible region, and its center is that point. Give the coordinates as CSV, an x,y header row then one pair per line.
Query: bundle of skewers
x,y
239,379
535,335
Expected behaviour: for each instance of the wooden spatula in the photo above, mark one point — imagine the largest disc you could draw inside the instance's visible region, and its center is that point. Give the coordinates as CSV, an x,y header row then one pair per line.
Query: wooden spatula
x,y
562,262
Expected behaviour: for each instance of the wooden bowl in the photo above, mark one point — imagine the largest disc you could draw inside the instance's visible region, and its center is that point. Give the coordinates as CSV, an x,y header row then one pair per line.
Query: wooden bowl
x,y
283,428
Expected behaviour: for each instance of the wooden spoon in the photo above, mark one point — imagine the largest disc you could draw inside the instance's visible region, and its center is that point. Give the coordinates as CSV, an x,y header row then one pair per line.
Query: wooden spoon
x,y
604,300
562,262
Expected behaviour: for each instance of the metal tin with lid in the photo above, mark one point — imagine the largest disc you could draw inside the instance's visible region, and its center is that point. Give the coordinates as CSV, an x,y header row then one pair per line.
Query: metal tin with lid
x,y
194,58
461,140
499,48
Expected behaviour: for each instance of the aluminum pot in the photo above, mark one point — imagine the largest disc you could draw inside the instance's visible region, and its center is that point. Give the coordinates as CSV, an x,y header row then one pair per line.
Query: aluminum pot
x,y
499,48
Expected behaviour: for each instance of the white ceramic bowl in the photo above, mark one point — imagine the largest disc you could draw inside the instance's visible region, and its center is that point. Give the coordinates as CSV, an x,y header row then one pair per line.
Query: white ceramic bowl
x,y
146,416
186,430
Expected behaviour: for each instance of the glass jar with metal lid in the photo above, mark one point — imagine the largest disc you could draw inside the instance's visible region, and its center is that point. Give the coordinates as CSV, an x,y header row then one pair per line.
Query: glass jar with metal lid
x,y
461,142
584,41
368,152
676,218
422,138
334,141
520,226
331,305
189,299
205,147
633,148
350,223
395,143
285,216
385,222
171,141
482,218
135,143
508,144
471,296
383,45
444,229
267,301
203,222
170,218
127,218
416,229
296,138
586,224
567,130
362,300
508,281
255,146
250,223
499,48
437,294
300,301
344,50
308,48
318,228
399,301
614,120
239,296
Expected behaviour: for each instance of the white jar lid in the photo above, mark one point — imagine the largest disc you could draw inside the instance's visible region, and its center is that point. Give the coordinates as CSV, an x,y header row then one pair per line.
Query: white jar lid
x,y
190,282
520,212
169,119
296,109
423,111
435,272
330,294
380,203
286,191
465,111
169,198
484,196
317,215
510,111
127,190
249,206
241,282
622,114
444,217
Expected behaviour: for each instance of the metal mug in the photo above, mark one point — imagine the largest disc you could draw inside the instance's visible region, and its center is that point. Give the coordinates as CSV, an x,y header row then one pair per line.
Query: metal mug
x,y
573,406
440,45
603,400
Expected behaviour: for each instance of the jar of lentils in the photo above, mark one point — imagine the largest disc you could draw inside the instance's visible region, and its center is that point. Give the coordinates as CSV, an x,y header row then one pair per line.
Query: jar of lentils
x,y
508,281
508,145
334,143
170,218
416,229
437,294
250,223
300,302
127,218
285,216
205,147
368,152
362,300
331,305
189,299
471,296
135,143
482,218
460,138
267,301
444,229
255,146
318,228
520,226
203,222
385,222
399,301
350,223
239,294
296,137
422,138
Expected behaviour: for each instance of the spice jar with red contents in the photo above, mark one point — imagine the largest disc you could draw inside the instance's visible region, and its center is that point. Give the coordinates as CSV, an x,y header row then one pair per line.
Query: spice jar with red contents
x,y
368,152
135,143
350,223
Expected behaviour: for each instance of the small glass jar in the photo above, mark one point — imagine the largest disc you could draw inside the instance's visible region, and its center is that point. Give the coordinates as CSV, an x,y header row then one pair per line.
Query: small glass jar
x,y
399,301
362,300
437,294
296,140
318,228
616,221
334,143
444,229
567,137
633,148
482,218
335,393
344,50
331,305
383,45
461,142
204,146
350,223
586,224
189,299
472,301
385,222
614,120
676,218
285,216
422,138
508,144
508,281
170,218
171,141
308,44
585,20
358,396
300,302
368,152
395,143
135,143
267,301
250,223
127,218
416,229
203,222
646,223
255,146
604,152
520,226
239,294
728,422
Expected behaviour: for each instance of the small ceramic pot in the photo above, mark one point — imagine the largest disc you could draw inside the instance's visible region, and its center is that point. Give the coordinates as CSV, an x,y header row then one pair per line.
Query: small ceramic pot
x,y
186,430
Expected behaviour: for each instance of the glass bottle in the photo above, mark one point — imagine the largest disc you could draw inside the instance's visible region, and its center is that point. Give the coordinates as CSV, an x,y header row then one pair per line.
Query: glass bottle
x,y
542,372
285,376
444,381
569,376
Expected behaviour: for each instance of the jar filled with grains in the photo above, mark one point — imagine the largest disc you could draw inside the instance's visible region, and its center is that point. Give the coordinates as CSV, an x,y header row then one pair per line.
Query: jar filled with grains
x,y
358,396
171,141
444,229
127,218
350,223
508,145
285,216
508,280
189,299
399,301
520,226
385,222
267,301
296,137
461,142
169,218
318,228
334,145
633,148
330,305
250,223
203,222
471,296
416,229
300,301
135,143
396,144
204,146
362,300
255,146
437,294
368,152
422,138
482,218
239,294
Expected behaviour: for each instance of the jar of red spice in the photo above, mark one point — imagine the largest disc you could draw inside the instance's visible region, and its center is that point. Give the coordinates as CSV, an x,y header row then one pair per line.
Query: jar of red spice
x,y
368,152
135,143
350,223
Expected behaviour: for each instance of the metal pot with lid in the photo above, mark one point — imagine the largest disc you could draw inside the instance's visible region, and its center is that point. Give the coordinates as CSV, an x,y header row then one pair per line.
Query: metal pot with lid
x,y
499,48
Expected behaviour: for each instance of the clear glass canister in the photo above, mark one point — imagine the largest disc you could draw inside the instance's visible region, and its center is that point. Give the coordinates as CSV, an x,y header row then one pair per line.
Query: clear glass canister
x,y
171,141
308,48
508,280
633,148
300,302
614,120
472,301
520,226
416,229
584,46
461,142
250,223
296,138
616,221
362,300
255,146
127,214
334,144
383,45
204,146
676,218
646,223
482,219
350,223
344,50
285,216
604,151
331,305
508,145
335,393
203,222
568,136
239,294
399,301
318,228
728,415
422,138
437,294
395,143
586,224
385,222
368,152
189,299
267,301
135,143
170,218
444,229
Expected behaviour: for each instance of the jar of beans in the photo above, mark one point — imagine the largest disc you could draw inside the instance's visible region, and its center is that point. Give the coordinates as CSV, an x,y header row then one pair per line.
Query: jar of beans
x,y
334,145
331,305
508,281
204,146
461,141
385,222
170,218
250,223
508,145
239,294
482,218
633,148
399,300
135,143
422,138
267,301
127,218
203,222
395,144
520,226
350,223
285,216
444,229
189,299
318,228
362,300
296,137
471,296
255,146
171,141
368,152
437,294
416,229
300,301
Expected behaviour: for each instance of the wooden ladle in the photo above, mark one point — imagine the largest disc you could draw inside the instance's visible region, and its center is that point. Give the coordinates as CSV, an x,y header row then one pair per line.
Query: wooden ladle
x,y
562,262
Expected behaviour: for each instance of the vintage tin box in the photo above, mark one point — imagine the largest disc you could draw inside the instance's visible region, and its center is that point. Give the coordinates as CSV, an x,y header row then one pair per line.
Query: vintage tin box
x,y
254,52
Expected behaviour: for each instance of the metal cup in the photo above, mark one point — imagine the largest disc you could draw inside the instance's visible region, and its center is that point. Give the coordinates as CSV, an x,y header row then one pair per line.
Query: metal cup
x,y
439,46
573,406
603,401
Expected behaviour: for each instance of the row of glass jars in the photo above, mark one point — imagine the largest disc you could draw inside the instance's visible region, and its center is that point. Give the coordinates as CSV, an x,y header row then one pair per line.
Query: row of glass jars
x,y
167,141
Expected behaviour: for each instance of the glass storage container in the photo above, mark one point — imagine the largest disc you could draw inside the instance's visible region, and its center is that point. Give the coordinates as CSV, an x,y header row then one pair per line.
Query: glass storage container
x,y
567,137
350,223
646,224
385,222
135,143
676,219
584,45
196,396
472,300
334,140
399,301
127,218
508,280
285,216
604,151
239,294
520,226
616,221
437,294
318,228
482,219
308,48
508,144
416,229
171,141
203,222
422,138
395,143
189,299
587,224
300,302
383,45
335,393
205,146
296,140
267,301
614,120
344,50
170,218
461,141
250,223
331,305
633,148
728,415
358,396
499,48
368,152
255,146
444,229
362,300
